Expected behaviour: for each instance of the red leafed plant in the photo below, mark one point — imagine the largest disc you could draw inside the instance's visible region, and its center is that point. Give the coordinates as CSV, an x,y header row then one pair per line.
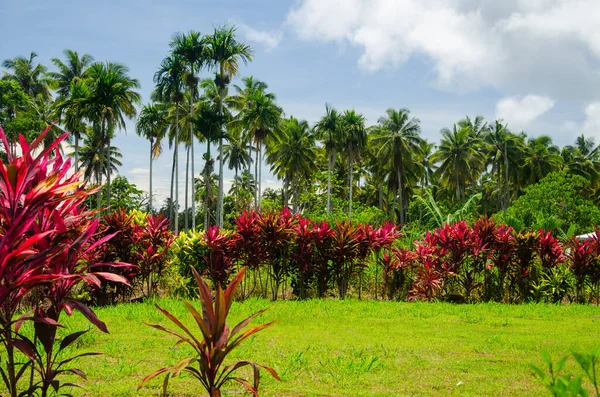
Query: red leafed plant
x,y
44,238
219,255
212,342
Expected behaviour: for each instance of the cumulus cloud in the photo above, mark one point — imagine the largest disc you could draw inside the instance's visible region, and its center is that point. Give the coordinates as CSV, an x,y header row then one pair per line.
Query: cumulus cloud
x,y
268,39
551,47
519,112
591,124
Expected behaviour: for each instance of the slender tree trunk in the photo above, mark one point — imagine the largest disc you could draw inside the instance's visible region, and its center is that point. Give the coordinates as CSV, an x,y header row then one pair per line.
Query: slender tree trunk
x,y
507,202
186,217
76,152
296,183
256,176
108,160
98,193
329,168
500,203
176,154
284,192
400,195
220,191
207,187
150,201
260,159
350,177
171,208
235,181
192,145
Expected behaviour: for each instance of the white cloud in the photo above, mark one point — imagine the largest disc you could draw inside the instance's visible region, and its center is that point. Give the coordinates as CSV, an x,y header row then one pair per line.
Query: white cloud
x,y
269,40
590,126
551,47
519,112
140,171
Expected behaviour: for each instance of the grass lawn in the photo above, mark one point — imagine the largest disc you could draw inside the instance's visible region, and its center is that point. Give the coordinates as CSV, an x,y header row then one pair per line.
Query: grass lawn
x,y
353,348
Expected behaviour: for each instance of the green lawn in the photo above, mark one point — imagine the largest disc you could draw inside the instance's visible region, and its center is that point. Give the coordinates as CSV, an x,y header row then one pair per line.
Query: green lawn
x,y
354,348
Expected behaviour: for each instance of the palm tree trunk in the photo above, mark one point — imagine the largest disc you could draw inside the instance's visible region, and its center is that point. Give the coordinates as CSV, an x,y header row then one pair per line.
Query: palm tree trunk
x,y
256,175
186,217
329,168
150,201
172,207
284,192
260,159
207,187
506,203
235,181
350,177
109,165
99,182
220,191
400,195
176,156
76,151
192,145
296,196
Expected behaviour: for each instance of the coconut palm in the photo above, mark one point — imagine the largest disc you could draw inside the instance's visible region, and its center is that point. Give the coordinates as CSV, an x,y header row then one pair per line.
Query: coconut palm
x,y
477,127
400,145
237,153
294,155
460,159
112,99
32,78
329,131
152,124
92,157
224,53
261,118
169,80
74,69
191,47
355,139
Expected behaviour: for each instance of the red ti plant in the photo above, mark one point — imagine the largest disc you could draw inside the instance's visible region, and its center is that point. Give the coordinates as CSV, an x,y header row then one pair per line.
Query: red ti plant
x,y
213,343
549,250
219,256
346,252
323,240
43,236
303,255
249,248
152,240
395,264
583,257
430,270
380,239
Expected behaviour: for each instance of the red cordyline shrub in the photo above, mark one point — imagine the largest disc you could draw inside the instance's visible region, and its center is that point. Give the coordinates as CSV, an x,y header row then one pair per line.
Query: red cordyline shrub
x,y
250,250
549,250
583,255
44,239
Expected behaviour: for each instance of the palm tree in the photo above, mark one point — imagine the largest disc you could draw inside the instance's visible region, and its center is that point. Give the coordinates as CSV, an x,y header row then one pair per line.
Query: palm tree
x,y
477,127
329,132
355,139
92,157
152,125
400,145
541,157
293,156
73,70
191,47
460,158
112,98
224,52
32,78
237,153
45,112
244,182
72,89
261,118
502,145
169,80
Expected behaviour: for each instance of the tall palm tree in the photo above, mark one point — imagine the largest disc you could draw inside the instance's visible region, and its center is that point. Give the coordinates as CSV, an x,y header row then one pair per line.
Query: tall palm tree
x,y
355,139
293,156
224,53
460,159
32,78
72,89
502,146
191,47
329,132
169,80
261,118
400,144
477,127
541,157
152,124
74,69
112,99
92,157
237,153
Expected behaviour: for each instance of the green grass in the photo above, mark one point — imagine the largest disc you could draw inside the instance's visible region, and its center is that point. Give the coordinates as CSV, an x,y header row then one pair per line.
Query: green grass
x,y
353,348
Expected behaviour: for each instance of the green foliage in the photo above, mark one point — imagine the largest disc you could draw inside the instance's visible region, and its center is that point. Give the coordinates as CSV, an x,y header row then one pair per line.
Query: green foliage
x,y
561,384
215,341
555,203
124,195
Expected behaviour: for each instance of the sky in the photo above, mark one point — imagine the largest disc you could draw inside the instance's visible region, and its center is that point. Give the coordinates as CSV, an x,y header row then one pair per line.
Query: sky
x,y
533,63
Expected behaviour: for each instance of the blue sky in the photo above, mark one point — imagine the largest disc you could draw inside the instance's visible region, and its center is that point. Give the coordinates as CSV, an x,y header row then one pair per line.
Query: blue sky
x,y
533,63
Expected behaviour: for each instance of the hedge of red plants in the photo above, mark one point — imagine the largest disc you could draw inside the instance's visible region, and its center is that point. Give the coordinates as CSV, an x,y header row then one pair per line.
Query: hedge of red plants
x,y
482,262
